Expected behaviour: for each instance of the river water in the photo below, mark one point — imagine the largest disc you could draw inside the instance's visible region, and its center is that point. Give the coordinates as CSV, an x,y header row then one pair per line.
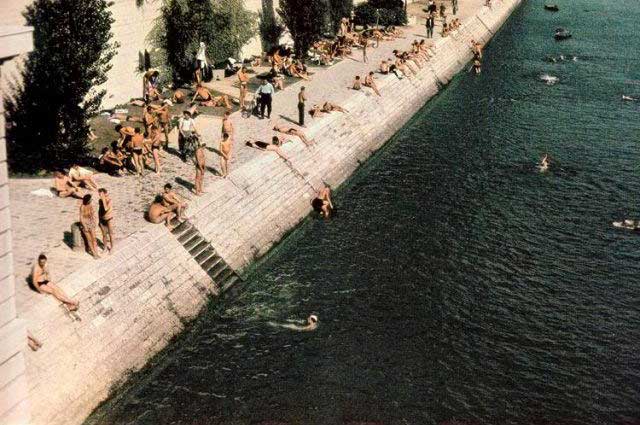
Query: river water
x,y
457,283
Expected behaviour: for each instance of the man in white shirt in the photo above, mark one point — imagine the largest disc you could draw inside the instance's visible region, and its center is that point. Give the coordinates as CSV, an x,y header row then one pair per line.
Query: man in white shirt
x,y
186,129
265,91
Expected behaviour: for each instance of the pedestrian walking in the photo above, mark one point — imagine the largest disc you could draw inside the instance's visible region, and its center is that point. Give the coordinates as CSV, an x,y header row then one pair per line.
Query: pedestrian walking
x,y
265,92
302,97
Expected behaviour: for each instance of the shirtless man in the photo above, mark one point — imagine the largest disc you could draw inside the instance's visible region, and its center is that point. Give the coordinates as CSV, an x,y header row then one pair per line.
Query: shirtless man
x,y
65,187
322,203
274,146
200,167
158,212
110,163
105,219
356,83
243,79
83,177
172,201
202,93
137,148
371,83
294,132
227,124
331,107
225,154
316,111
41,279
178,97
88,223
125,133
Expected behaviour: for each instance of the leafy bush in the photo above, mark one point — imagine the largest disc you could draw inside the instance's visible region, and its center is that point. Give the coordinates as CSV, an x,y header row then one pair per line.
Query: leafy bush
x,y
225,26
48,113
339,9
305,19
391,12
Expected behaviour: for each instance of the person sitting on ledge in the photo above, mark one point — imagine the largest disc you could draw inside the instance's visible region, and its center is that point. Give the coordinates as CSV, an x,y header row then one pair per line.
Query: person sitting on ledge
x,y
322,203
178,97
274,146
65,187
173,202
82,177
384,67
41,280
370,82
294,132
356,83
158,213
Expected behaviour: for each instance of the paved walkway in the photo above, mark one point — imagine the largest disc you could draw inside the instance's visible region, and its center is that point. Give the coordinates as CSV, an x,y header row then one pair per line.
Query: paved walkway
x,y
42,224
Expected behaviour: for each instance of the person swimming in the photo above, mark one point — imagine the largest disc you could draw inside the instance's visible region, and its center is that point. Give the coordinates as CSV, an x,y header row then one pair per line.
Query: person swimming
x,y
545,162
310,325
627,224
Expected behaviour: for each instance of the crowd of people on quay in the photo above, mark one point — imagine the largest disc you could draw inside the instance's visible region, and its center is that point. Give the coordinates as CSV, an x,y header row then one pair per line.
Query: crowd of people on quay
x,y
142,142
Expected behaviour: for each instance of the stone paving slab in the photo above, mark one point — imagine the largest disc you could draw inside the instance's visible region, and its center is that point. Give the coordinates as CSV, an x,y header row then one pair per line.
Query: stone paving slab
x,y
41,224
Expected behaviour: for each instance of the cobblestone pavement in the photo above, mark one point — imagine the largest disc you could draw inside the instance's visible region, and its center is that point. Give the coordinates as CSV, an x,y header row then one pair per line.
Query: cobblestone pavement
x,y
42,224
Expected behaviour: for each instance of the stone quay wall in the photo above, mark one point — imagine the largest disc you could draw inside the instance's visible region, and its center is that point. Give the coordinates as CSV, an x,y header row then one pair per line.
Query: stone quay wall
x,y
135,301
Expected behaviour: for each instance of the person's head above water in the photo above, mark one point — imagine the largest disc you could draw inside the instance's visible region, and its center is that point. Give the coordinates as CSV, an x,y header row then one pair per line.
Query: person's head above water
x,y
313,318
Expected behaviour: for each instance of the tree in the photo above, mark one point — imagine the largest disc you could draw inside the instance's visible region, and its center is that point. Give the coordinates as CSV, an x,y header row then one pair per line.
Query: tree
x,y
225,26
305,20
270,27
48,111
382,12
339,9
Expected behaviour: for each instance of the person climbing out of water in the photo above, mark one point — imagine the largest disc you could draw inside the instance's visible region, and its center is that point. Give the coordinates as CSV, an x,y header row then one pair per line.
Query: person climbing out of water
x,y
322,203
545,162
477,66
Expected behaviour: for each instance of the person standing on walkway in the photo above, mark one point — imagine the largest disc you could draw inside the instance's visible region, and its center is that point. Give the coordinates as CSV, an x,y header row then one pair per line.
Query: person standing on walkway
x,y
431,23
243,80
365,43
105,219
265,92
454,5
302,97
200,162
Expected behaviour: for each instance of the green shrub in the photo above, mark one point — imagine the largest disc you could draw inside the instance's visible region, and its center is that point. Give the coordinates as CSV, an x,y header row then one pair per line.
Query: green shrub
x,y
391,12
48,112
271,28
225,26
339,9
306,20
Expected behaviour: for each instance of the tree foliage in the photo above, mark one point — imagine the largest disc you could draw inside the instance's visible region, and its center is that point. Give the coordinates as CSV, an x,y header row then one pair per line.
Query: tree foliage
x,y
271,28
48,112
305,19
225,26
382,12
339,9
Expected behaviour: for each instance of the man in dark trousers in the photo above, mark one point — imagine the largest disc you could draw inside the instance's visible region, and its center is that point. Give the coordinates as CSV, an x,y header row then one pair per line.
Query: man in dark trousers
x,y
265,93
301,99
431,23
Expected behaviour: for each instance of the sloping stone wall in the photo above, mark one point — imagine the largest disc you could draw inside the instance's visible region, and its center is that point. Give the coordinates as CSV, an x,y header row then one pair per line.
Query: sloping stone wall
x,y
135,301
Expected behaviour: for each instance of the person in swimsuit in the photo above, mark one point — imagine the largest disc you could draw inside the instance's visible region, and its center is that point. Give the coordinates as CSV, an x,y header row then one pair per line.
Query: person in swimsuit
x,y
65,187
158,213
88,223
172,201
137,150
384,67
322,203
477,66
243,79
155,146
332,107
200,162
371,83
356,83
225,154
105,219
148,117
82,177
274,146
227,125
41,279
316,111
294,132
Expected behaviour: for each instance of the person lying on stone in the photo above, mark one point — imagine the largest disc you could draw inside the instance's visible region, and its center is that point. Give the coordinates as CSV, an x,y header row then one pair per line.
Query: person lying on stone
x,y
158,213
65,187
178,97
82,177
316,111
332,107
41,280
274,146
322,202
294,132
173,202
370,82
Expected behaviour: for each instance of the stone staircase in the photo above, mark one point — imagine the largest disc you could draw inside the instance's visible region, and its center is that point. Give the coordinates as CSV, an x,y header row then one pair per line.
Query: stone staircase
x,y
206,256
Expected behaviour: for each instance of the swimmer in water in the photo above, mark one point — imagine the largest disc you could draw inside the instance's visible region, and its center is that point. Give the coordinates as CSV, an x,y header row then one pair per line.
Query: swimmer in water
x,y
311,325
631,98
627,224
544,163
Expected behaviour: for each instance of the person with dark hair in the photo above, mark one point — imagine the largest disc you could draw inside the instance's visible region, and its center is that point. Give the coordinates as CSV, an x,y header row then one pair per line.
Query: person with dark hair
x,y
243,80
125,133
301,99
41,280
88,225
322,203
274,146
105,219
186,130
225,154
173,202
158,213
137,150
357,85
82,177
227,125
293,132
265,92
110,163
371,83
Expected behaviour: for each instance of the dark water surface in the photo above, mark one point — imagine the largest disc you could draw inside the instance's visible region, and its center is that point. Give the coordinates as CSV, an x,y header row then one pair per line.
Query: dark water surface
x,y
457,282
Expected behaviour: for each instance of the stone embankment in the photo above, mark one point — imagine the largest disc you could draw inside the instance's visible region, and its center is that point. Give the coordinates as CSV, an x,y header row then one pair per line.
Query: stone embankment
x,y
135,301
